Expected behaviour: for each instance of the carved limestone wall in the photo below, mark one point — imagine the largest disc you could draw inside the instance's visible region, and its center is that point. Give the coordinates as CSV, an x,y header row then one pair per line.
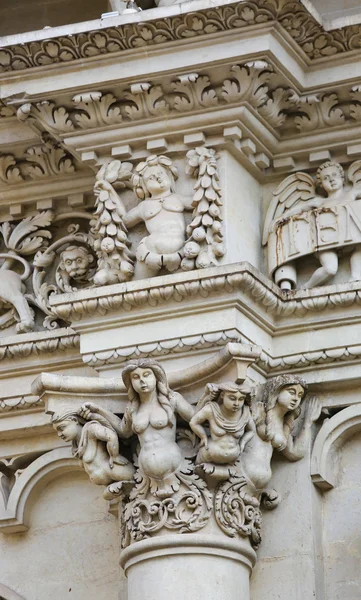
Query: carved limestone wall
x,y
166,377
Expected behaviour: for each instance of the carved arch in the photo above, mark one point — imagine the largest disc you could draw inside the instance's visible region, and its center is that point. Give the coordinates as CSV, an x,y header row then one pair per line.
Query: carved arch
x,y
332,435
8,594
14,515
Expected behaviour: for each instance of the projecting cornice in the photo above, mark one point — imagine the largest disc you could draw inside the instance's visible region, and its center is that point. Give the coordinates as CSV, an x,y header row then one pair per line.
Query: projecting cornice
x,y
180,22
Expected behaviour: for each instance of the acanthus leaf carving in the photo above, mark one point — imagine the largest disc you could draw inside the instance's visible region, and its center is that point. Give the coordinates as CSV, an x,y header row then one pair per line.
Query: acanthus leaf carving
x,y
355,107
193,91
48,160
274,109
9,169
95,109
146,101
248,83
319,111
55,119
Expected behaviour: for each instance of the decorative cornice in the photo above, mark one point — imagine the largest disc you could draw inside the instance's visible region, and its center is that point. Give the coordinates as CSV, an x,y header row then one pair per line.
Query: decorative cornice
x,y
298,23
20,403
163,348
253,83
43,342
305,360
204,283
38,162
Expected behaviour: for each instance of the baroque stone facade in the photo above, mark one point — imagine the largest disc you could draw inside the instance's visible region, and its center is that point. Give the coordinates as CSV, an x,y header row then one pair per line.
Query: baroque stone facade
x,y
180,230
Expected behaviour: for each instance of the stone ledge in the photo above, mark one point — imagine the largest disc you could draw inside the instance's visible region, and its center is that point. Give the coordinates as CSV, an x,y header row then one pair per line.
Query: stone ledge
x,y
204,283
158,26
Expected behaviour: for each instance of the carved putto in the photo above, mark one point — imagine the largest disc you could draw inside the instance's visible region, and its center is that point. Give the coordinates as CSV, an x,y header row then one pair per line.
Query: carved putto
x,y
300,222
95,442
179,483
169,244
226,409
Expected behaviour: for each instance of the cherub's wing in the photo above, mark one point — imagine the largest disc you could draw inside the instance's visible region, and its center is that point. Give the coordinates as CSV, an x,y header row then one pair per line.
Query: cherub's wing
x,y
354,174
293,190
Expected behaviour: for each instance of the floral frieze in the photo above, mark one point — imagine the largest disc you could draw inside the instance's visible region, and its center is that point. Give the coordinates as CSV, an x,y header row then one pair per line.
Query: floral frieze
x,y
315,42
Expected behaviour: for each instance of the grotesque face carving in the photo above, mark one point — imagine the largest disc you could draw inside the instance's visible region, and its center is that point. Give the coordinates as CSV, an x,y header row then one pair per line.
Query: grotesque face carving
x,y
75,261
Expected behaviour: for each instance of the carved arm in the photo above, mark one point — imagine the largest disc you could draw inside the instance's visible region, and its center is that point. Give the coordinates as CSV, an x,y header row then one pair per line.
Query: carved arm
x,y
196,424
183,408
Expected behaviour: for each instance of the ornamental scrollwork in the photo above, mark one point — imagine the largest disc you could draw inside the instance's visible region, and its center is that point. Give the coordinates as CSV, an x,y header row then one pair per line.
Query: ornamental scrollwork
x,y
313,40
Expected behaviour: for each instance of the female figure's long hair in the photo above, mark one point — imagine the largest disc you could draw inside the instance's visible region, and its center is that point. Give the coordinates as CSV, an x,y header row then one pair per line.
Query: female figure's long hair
x,y
271,392
164,393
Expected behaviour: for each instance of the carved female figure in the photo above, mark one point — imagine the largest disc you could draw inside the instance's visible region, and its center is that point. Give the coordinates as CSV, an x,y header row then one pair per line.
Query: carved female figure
x,y
151,415
96,443
278,409
226,409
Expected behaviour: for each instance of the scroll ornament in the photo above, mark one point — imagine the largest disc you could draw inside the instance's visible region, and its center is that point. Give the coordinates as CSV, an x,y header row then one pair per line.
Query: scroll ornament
x,y
171,477
300,223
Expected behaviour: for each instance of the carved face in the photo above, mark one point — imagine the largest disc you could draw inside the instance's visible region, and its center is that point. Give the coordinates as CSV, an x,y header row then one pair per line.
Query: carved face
x,y
290,396
331,179
76,261
157,180
67,430
233,401
143,380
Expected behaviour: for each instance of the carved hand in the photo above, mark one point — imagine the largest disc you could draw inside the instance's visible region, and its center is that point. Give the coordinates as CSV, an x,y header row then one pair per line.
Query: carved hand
x,y
313,409
102,185
86,410
204,442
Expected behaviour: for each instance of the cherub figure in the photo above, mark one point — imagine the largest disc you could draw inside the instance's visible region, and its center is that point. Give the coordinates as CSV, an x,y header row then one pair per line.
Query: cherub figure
x,y
297,194
161,209
226,409
96,443
75,265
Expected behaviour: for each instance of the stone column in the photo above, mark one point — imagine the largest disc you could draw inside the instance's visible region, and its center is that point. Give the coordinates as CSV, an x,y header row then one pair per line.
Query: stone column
x,y
188,567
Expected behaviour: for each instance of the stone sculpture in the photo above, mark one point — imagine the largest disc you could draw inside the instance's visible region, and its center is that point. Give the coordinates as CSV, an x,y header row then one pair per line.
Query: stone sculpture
x,y
275,415
96,443
170,244
226,408
151,415
21,240
299,222
111,244
75,266
12,293
178,481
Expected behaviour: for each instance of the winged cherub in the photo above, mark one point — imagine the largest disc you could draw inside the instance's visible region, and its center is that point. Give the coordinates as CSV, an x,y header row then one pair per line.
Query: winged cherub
x,y
297,194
